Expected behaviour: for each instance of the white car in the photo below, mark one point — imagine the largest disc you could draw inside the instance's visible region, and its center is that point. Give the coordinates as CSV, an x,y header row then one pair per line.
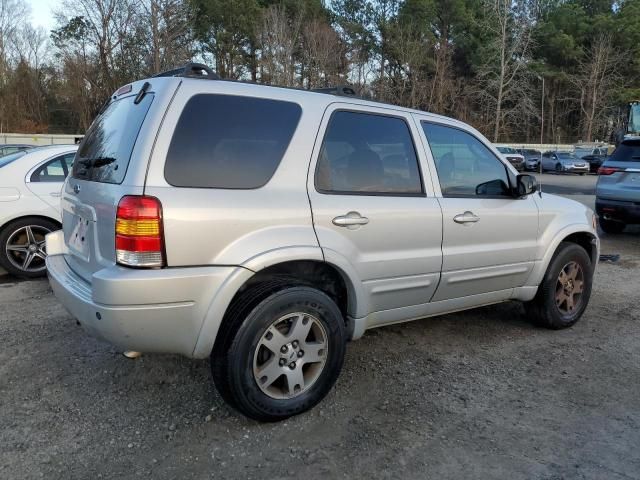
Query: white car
x,y
30,189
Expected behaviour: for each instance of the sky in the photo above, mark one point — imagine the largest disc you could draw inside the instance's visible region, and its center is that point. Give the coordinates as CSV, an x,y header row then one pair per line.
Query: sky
x,y
41,12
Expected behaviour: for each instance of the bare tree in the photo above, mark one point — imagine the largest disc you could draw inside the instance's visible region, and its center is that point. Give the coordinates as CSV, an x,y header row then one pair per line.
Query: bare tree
x,y
279,39
166,24
502,76
597,78
324,54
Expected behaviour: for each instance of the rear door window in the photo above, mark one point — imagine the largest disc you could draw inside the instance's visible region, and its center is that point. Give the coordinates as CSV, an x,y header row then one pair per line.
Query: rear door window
x,y
227,141
368,154
55,170
104,154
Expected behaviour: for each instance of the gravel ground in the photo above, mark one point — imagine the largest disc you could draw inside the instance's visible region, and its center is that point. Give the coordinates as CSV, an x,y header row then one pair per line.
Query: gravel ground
x,y
480,394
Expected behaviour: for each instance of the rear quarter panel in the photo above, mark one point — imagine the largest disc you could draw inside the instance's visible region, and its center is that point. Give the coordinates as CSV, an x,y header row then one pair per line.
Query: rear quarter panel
x,y
212,226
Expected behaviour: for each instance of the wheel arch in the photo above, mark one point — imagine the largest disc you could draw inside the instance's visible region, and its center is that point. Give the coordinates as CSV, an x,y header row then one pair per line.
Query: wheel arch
x,y
25,216
323,275
578,234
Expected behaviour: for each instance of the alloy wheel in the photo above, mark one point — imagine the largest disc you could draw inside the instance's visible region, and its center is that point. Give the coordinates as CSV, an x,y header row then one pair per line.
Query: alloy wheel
x,y
569,288
290,355
25,248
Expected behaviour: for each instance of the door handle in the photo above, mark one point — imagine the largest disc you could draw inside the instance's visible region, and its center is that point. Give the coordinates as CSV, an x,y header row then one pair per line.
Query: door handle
x,y
56,194
466,217
351,220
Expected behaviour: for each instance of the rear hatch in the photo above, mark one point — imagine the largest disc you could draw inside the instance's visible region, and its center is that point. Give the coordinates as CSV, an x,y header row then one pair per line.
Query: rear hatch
x,y
111,162
619,175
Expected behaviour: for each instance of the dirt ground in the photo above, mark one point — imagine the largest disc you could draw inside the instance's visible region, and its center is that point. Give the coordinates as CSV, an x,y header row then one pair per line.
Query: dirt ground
x,y
480,394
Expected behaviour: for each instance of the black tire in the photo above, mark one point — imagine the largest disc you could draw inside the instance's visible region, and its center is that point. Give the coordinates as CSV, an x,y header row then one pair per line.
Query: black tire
x,y
543,310
558,168
9,232
611,226
232,360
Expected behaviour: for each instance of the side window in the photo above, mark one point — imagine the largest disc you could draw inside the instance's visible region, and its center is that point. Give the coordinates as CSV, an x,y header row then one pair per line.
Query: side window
x,y
228,141
465,166
55,170
367,154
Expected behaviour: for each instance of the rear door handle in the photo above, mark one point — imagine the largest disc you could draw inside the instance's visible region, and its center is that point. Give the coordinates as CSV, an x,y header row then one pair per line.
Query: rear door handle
x,y
466,217
351,220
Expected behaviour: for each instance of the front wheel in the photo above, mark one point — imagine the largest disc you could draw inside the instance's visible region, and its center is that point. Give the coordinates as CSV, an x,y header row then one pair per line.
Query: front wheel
x,y
283,357
558,168
565,290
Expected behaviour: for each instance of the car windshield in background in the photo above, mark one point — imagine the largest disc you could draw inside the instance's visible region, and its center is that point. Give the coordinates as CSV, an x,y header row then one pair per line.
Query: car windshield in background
x,y
7,159
566,156
104,154
627,151
505,150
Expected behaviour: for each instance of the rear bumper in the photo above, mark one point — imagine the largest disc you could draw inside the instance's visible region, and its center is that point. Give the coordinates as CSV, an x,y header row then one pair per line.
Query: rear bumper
x,y
622,211
142,310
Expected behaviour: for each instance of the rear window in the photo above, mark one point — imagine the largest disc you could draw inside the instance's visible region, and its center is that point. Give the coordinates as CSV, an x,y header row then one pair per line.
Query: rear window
x,y
7,159
628,151
104,154
225,141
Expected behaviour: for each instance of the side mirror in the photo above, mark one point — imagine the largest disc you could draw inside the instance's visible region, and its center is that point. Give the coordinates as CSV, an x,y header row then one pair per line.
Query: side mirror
x,y
526,185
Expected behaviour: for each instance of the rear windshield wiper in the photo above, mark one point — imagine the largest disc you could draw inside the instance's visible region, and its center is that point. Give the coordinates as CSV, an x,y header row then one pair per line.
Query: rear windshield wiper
x,y
97,162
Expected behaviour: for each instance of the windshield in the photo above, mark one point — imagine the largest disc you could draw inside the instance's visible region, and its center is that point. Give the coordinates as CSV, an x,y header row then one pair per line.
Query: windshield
x,y
566,156
627,151
505,150
7,159
104,154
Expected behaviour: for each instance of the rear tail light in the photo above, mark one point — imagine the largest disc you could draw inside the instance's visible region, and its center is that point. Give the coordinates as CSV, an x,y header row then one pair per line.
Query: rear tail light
x,y
608,170
139,234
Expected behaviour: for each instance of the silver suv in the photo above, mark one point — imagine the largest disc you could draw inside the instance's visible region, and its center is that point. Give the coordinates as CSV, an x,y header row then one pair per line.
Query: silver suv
x,y
265,227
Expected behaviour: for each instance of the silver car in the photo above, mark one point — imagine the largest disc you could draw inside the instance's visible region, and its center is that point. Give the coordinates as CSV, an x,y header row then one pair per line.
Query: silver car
x,y
618,188
562,162
264,227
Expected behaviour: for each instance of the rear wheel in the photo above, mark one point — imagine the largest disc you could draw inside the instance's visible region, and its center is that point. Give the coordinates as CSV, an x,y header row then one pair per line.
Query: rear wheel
x,y
22,246
283,356
611,226
565,290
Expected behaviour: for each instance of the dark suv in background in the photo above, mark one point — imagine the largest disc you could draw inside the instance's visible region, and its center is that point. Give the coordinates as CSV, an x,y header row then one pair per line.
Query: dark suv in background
x,y
618,187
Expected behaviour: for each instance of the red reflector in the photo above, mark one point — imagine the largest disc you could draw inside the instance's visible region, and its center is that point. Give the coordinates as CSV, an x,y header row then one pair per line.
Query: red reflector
x,y
608,170
138,244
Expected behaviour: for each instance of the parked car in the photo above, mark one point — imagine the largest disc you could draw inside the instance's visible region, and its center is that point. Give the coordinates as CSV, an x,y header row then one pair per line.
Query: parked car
x,y
8,149
531,159
618,188
582,151
30,187
595,161
203,218
564,162
512,157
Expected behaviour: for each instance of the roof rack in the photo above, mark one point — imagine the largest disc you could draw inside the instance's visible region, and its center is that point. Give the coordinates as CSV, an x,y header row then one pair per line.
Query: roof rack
x,y
340,90
191,70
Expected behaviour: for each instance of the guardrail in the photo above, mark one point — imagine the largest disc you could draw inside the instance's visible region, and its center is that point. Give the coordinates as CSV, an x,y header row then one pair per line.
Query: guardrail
x,y
40,139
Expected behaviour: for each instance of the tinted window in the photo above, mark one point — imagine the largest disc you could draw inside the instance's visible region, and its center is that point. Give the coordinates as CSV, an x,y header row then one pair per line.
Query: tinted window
x,y
366,153
628,151
225,141
6,160
104,154
466,167
55,170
